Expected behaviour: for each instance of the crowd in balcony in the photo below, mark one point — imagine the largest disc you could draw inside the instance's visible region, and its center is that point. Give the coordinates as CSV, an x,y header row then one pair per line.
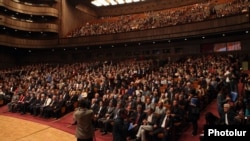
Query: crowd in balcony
x,y
156,19
144,85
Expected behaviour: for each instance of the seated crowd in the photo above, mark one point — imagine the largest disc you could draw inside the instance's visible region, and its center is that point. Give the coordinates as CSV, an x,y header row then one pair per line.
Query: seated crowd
x,y
157,19
149,91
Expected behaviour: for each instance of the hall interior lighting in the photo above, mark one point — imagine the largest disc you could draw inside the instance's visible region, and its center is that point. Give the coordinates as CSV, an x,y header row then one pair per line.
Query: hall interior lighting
x,y
100,3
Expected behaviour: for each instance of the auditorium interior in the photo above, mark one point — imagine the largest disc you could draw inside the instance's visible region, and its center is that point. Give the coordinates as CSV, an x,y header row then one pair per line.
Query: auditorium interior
x,y
78,31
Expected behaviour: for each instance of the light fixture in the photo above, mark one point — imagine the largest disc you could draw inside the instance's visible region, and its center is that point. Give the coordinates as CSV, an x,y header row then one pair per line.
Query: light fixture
x,y
100,3
120,1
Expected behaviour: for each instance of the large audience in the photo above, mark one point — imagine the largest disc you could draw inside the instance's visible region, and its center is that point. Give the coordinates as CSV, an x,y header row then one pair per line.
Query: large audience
x,y
157,19
137,85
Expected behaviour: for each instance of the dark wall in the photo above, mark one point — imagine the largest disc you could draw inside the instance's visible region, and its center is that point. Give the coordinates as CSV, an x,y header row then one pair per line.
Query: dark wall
x,y
161,50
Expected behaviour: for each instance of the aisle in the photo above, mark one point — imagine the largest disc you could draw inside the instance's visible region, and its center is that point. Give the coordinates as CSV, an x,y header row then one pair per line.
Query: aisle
x,y
187,135
212,107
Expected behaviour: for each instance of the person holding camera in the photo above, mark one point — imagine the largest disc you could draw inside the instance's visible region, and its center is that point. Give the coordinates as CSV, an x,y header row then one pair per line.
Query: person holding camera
x,y
83,117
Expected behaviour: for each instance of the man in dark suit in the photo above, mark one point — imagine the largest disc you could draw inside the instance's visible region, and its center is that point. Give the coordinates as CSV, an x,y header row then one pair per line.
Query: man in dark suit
x,y
136,121
57,111
176,111
228,117
120,126
48,111
107,123
110,108
99,113
164,126
194,112
38,103
27,101
94,105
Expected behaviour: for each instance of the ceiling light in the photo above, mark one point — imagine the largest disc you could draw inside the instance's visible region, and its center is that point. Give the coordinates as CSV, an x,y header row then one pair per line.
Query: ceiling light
x,y
128,1
112,2
120,1
100,3
96,3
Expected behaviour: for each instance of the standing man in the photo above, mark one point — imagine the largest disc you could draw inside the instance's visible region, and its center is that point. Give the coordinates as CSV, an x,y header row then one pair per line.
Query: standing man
x,y
120,126
194,112
83,119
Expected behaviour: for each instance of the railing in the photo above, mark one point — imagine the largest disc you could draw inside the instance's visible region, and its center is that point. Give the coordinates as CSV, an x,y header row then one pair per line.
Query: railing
x,y
27,9
26,26
221,25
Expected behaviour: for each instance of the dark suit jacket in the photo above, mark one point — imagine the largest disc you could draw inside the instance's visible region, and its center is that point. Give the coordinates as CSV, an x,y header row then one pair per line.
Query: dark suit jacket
x,y
133,117
101,112
120,129
230,116
168,124
115,113
179,113
95,108
59,104
110,110
66,97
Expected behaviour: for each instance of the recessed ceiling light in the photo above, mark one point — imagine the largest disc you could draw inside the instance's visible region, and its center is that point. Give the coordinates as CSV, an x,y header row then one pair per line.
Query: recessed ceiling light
x,y
100,3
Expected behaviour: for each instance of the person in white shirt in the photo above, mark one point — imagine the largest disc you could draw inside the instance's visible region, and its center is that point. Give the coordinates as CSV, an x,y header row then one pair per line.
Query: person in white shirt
x,y
45,104
149,123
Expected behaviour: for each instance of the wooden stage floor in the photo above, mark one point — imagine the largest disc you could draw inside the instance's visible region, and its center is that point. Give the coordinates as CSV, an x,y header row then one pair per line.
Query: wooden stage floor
x,y
15,129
